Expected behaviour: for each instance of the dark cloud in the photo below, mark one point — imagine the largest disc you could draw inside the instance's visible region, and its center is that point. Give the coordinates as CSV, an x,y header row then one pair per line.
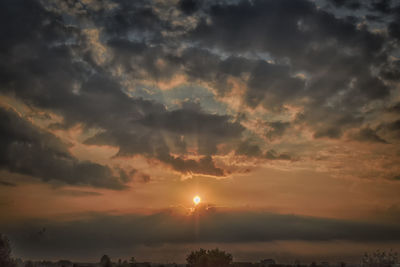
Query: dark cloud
x,y
391,70
393,126
285,53
145,178
276,129
65,79
394,30
26,149
369,135
273,155
391,130
249,25
105,232
142,61
78,193
5,183
383,6
272,85
189,6
351,4
248,148
334,55
146,137
208,128
204,165
188,121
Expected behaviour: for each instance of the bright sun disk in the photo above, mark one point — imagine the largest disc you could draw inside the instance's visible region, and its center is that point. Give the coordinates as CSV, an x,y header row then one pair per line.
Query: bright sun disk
x,y
196,200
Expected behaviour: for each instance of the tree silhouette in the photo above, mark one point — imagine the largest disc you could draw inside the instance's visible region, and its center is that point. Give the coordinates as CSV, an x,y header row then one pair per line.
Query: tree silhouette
x,y
380,259
132,262
105,261
5,252
209,258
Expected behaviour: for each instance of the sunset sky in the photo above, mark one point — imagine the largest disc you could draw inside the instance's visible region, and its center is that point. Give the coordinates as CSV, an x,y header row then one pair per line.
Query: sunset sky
x,y
282,116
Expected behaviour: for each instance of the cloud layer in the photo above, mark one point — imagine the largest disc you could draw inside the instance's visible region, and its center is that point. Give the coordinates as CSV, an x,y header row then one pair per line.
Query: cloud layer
x,y
101,232
303,65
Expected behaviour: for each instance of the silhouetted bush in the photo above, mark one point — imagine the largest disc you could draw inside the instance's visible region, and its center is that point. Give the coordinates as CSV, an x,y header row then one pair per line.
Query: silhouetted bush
x,y
105,261
209,258
5,252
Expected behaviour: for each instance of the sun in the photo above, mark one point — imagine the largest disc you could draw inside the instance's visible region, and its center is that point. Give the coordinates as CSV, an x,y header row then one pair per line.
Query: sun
x,y
196,200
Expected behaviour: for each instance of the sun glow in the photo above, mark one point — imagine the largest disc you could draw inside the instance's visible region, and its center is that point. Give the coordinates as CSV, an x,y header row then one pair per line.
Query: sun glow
x,y
196,200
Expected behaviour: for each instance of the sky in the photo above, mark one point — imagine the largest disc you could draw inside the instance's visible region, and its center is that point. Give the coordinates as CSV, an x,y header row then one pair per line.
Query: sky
x,y
282,116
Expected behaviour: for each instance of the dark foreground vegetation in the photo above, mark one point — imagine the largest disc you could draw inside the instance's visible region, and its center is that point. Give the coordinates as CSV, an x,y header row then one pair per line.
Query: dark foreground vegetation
x,y
198,258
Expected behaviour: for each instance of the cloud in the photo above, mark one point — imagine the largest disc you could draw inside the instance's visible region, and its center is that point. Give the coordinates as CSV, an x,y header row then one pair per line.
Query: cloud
x,y
28,150
351,4
248,149
102,232
273,155
276,129
390,129
334,54
81,92
189,6
290,65
369,135
5,183
78,193
210,129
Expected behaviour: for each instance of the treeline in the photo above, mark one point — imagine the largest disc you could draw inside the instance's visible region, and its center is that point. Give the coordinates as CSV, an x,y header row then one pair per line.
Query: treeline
x,y
198,258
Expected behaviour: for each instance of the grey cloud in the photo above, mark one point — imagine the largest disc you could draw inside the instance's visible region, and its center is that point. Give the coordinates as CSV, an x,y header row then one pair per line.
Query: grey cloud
x,y
146,137
277,129
331,132
317,61
394,30
204,165
28,150
189,6
152,145
390,71
330,122
64,79
335,55
272,85
352,50
248,148
249,25
105,232
252,149
369,135
208,128
142,61
383,6
351,4
394,108
394,126
268,84
391,129
5,183
273,155
78,193
187,121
